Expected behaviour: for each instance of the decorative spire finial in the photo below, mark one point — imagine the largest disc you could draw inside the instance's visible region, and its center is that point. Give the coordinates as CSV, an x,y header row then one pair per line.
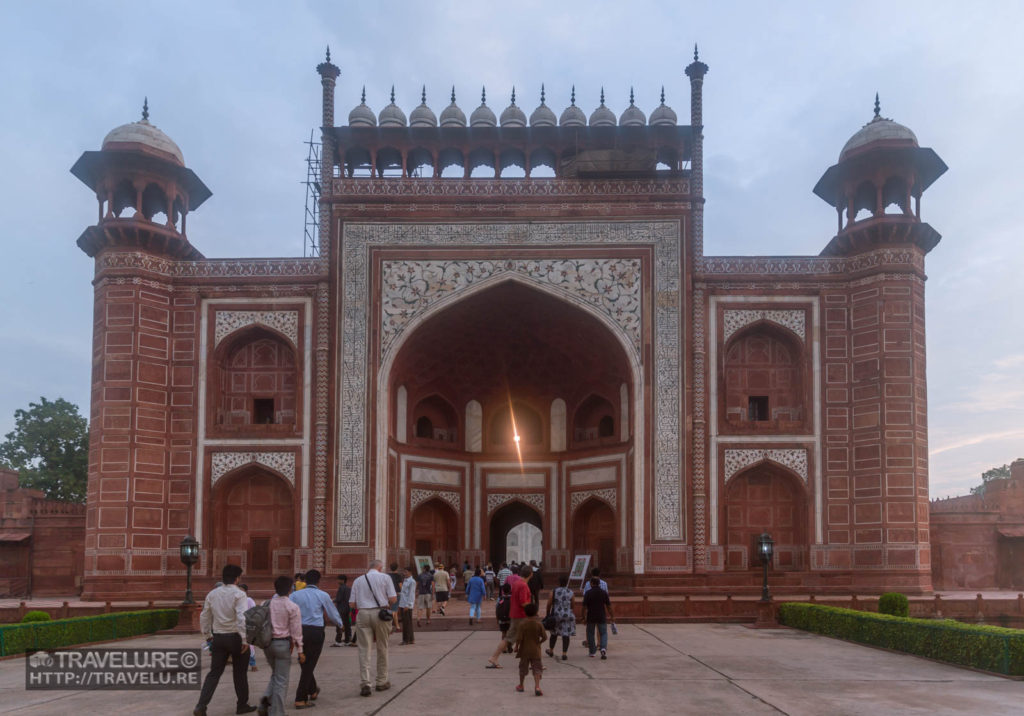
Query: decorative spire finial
x,y
483,95
328,53
453,94
423,96
542,93
878,108
602,96
631,96
513,94
392,94
145,109
572,97
663,95
363,98
696,57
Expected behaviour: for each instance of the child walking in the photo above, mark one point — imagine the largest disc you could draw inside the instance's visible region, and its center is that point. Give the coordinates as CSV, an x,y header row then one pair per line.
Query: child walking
x,y
530,636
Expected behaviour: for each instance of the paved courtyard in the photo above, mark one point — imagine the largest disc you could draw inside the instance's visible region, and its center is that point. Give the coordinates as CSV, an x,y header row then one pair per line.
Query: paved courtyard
x,y
651,669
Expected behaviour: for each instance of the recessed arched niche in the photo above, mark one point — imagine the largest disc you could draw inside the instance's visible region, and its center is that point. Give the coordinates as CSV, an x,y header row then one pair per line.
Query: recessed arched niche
x,y
765,375
255,383
435,421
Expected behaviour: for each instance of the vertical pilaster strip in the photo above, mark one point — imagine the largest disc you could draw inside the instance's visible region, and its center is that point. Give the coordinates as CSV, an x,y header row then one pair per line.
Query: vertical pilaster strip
x,y
699,428
322,309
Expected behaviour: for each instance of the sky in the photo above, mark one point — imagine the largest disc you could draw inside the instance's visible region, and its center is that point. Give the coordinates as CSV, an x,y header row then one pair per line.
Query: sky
x,y
233,83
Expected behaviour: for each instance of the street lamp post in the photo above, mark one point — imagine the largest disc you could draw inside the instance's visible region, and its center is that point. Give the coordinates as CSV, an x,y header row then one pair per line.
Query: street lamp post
x,y
765,548
189,553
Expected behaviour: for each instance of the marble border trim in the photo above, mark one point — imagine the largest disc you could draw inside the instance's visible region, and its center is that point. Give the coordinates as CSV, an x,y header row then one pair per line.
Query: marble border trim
x,y
664,236
205,352
813,302
221,463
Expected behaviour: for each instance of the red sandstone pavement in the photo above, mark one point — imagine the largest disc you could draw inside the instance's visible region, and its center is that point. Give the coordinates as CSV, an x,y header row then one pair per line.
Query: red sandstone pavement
x,y
651,669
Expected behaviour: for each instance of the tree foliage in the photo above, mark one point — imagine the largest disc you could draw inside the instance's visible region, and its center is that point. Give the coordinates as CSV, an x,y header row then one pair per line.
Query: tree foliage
x,y
995,473
49,447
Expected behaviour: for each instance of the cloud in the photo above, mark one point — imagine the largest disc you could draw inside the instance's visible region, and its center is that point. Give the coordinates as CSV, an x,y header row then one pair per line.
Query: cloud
x,y
977,440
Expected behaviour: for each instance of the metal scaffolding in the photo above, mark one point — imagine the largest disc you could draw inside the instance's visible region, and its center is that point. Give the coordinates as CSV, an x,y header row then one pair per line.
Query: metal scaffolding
x,y
311,228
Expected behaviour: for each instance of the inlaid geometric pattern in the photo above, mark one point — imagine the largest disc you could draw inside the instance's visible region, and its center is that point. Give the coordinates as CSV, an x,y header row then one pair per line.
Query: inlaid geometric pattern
x,y
734,320
224,462
793,458
496,500
285,322
608,494
417,497
611,285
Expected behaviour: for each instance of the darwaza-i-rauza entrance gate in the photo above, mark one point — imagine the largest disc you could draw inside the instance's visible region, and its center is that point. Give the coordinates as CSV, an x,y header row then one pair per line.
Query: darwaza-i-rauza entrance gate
x,y
510,320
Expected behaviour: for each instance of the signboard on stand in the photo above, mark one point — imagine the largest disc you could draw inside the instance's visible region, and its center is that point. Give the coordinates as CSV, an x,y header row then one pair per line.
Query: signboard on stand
x,y
579,569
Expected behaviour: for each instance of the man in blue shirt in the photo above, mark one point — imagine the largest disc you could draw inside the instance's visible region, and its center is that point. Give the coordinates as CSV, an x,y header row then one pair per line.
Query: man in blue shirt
x,y
313,603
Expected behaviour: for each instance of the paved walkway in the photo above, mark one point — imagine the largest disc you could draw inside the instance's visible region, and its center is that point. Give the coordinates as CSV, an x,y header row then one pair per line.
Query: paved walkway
x,y
674,668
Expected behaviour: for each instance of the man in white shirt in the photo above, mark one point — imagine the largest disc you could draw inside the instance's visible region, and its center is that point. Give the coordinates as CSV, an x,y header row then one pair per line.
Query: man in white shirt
x,y
370,593
222,622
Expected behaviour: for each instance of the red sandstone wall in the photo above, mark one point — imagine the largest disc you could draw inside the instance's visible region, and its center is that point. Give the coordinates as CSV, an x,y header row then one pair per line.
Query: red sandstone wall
x,y
141,430
973,538
875,442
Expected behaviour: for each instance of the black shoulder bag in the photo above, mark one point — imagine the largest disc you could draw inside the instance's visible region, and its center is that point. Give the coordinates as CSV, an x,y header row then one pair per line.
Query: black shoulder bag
x,y
385,612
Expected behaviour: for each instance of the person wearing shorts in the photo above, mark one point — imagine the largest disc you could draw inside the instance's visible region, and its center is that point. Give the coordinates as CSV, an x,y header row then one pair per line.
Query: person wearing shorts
x,y
442,586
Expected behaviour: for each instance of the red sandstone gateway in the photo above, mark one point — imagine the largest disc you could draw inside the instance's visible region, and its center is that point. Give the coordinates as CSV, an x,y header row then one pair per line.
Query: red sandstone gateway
x,y
511,320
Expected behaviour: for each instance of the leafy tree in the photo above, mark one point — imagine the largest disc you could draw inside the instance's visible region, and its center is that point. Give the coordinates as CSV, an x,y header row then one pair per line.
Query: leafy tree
x,y
995,473
49,447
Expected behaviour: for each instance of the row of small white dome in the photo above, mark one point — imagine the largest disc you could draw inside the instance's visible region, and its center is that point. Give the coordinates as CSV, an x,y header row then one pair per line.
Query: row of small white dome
x,y
513,116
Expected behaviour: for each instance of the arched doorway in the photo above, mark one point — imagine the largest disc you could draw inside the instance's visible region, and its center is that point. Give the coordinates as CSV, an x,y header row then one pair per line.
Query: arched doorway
x,y
593,532
765,498
435,531
253,516
506,344
504,520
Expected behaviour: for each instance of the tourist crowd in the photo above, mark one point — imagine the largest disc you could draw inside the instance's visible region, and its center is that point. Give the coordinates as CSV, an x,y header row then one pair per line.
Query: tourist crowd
x,y
292,624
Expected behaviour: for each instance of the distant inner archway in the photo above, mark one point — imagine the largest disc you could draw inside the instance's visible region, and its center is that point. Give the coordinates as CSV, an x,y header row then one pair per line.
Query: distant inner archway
x,y
503,521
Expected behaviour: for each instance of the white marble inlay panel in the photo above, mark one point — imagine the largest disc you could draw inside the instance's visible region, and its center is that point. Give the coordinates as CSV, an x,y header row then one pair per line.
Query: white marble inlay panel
x,y
736,318
224,462
474,427
417,497
432,476
665,238
793,458
612,285
227,322
497,499
593,476
512,480
609,495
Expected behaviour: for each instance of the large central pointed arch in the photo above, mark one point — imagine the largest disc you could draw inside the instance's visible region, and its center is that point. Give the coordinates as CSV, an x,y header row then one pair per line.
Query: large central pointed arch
x,y
622,337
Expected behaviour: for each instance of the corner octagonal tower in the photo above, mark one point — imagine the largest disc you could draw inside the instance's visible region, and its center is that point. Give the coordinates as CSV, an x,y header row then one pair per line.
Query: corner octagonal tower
x,y
511,326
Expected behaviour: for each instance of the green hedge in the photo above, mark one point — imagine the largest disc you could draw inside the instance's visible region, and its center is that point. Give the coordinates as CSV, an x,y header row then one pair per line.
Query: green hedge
x,y
981,647
35,616
895,604
19,638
